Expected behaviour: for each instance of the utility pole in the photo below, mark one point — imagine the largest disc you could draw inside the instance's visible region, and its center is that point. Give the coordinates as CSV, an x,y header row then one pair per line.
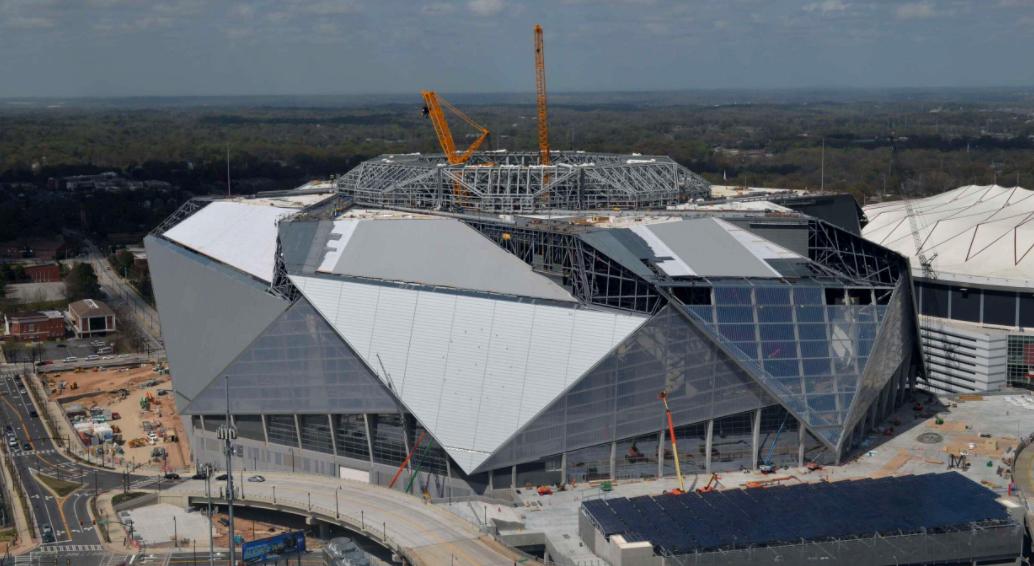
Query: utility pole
x,y
208,492
227,433
822,174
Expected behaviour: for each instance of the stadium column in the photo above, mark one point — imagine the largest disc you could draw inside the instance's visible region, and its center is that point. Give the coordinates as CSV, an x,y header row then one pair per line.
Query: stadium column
x,y
369,439
660,454
802,435
297,431
563,469
707,446
265,430
330,427
756,439
513,476
613,457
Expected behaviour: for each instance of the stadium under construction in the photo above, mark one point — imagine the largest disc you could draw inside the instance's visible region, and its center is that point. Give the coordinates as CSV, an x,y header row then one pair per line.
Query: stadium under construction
x,y
363,325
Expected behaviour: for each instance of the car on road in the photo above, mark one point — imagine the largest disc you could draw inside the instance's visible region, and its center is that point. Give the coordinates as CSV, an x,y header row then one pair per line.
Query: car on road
x,y
256,479
26,446
71,359
220,477
172,476
92,358
47,533
33,414
108,358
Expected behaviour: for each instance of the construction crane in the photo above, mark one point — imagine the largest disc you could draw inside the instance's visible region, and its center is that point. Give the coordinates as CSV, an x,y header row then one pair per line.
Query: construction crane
x,y
433,109
540,95
674,447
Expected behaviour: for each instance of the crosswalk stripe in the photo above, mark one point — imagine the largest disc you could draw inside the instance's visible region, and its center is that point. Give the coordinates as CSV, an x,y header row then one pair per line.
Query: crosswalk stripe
x,y
71,548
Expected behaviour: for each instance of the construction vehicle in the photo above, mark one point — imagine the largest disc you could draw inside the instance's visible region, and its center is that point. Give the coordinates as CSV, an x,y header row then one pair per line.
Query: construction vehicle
x,y
711,485
768,482
674,447
540,98
433,109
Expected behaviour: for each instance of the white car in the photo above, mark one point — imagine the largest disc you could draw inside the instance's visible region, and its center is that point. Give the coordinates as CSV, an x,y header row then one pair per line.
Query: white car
x,y
108,358
92,357
71,359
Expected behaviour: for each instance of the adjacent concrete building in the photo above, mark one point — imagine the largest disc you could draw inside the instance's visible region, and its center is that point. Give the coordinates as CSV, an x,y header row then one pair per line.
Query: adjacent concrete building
x,y
970,252
90,317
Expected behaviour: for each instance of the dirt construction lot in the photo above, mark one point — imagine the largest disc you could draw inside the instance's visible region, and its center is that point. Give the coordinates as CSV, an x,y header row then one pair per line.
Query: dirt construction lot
x,y
121,391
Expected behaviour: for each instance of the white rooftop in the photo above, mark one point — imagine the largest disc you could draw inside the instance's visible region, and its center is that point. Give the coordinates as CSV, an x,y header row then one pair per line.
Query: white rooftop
x,y
976,234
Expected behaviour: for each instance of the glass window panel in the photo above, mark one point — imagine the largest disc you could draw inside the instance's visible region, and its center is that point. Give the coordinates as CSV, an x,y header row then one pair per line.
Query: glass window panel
x,y
737,332
812,331
733,295
816,367
1026,309
780,439
782,368
965,304
1000,308
388,446
776,331
934,300
778,350
775,314
822,403
315,433
807,295
706,313
818,349
213,422
350,436
772,295
249,426
811,314
735,314
282,430
637,457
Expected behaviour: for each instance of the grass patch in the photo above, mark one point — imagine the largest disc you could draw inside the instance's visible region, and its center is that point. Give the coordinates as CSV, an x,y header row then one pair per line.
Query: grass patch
x,y
123,497
60,487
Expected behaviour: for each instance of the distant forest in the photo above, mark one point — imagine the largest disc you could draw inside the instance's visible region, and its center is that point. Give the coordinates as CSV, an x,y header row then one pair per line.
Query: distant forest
x,y
877,144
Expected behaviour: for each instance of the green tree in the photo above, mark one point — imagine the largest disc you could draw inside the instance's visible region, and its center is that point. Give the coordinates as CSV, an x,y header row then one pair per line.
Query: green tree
x,y
81,282
123,262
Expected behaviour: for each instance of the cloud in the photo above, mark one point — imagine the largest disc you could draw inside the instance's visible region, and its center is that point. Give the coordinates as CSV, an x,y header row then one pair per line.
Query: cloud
x,y
825,6
915,11
486,7
28,22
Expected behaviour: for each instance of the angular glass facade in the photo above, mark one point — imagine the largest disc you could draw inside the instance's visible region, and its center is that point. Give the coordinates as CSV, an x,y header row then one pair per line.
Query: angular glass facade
x,y
618,399
809,345
297,362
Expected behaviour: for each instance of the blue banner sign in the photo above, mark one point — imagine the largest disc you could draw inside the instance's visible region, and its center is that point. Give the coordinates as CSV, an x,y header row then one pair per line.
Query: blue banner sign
x,y
279,545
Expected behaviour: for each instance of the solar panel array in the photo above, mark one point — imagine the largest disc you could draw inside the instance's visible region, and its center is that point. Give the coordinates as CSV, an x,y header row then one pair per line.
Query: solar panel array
x,y
740,518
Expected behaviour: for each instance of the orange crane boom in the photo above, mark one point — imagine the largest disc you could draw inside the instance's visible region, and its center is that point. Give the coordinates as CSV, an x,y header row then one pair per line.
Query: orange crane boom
x,y
540,92
433,109
674,448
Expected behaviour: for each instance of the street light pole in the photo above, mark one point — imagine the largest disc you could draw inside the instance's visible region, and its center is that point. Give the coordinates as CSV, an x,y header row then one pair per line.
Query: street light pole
x,y
227,433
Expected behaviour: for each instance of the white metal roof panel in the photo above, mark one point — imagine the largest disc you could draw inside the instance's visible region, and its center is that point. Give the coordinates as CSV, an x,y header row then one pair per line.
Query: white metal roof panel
x,y
472,369
237,234
710,247
969,234
431,251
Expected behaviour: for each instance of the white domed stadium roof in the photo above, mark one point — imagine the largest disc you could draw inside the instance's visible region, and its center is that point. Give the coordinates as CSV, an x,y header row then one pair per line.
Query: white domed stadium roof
x,y
973,234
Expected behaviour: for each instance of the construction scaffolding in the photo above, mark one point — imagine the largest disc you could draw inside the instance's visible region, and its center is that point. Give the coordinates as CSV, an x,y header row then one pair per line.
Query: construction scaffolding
x,y
505,182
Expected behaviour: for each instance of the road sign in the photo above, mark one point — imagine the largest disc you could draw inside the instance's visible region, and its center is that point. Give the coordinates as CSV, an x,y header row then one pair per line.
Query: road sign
x,y
287,543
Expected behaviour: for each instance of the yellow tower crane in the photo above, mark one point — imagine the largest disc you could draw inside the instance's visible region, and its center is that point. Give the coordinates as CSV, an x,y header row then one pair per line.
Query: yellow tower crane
x,y
540,95
433,109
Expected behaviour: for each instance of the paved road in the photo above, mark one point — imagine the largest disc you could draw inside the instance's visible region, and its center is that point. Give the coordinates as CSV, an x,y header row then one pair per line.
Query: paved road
x,y
429,534
124,295
68,516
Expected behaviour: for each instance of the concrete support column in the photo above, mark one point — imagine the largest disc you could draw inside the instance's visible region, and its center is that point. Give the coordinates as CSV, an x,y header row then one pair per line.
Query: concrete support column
x,y
802,435
513,476
660,454
563,469
298,430
369,437
265,429
756,442
707,446
333,441
613,458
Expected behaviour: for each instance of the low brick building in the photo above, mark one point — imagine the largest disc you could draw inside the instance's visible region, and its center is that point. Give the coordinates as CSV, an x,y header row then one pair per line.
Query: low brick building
x,y
43,273
90,317
42,325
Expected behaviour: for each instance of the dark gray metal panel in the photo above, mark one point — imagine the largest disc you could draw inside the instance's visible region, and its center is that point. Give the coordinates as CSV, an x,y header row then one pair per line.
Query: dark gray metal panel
x,y
302,244
619,397
298,364
208,313
441,252
792,236
623,247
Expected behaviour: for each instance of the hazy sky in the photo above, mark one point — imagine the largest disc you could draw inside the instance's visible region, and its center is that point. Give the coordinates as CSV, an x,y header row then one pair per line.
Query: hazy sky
x,y
193,47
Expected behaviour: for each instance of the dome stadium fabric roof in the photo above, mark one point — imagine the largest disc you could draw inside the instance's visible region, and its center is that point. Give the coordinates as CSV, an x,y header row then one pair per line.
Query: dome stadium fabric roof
x,y
974,234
